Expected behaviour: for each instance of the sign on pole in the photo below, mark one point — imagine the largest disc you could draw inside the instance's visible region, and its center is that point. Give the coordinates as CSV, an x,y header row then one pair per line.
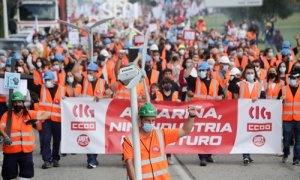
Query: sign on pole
x,y
74,37
12,80
232,3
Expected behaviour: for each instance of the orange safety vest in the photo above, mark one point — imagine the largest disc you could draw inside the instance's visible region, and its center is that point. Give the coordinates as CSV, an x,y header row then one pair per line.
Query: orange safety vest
x,y
153,78
77,91
154,165
272,93
245,92
22,135
243,63
88,88
49,105
124,93
2,99
291,105
201,90
267,64
37,78
217,76
61,78
263,74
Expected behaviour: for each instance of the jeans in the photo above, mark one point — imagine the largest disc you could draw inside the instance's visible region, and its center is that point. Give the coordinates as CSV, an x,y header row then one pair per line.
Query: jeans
x,y
12,163
51,129
92,159
288,128
246,156
203,157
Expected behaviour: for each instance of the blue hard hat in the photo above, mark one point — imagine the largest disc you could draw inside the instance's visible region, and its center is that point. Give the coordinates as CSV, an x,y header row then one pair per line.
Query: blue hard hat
x,y
172,40
107,41
286,44
8,61
150,42
16,56
2,52
285,52
59,57
203,66
92,67
49,75
127,45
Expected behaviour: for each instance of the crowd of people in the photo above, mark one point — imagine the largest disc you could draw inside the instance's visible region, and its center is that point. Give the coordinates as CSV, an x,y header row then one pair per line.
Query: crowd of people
x,y
215,65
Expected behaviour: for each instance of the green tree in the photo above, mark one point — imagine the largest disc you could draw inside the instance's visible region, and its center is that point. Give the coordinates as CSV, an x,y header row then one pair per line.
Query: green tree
x,y
270,8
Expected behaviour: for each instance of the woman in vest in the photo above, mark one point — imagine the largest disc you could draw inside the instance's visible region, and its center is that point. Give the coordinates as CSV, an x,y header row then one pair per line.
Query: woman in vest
x,y
19,143
73,88
282,70
273,84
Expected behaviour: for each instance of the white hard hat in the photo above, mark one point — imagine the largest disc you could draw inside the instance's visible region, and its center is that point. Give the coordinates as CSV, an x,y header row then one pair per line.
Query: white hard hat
x,y
104,52
234,71
225,60
153,47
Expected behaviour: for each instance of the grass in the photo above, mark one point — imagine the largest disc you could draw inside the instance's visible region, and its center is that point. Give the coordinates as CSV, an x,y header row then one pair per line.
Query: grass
x,y
288,27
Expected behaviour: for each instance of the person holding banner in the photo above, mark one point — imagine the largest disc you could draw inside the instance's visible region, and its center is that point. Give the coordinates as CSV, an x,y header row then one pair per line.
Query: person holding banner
x,y
18,147
205,88
153,143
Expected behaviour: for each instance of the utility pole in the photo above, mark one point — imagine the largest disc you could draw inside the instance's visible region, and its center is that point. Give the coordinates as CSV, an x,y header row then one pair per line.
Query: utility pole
x,y
5,20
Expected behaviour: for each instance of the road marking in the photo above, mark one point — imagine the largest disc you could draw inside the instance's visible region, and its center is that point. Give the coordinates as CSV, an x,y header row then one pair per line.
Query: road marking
x,y
181,169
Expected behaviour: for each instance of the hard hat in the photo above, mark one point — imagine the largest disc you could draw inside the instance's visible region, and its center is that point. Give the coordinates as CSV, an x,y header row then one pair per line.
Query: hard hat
x,y
234,71
17,96
49,75
16,56
285,52
70,46
286,44
2,52
127,45
181,47
204,66
151,42
104,52
107,41
92,67
147,110
153,47
224,60
59,57
148,58
8,61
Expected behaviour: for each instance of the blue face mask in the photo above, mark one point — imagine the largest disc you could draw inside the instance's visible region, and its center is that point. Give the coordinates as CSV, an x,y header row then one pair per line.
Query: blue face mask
x,y
147,127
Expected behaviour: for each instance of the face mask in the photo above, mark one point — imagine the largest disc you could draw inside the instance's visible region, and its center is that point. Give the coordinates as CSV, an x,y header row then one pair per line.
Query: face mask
x,y
231,78
225,68
156,58
188,64
90,77
240,54
168,47
103,63
272,75
35,41
39,64
202,74
221,50
211,67
53,45
282,69
293,82
49,84
181,52
70,80
56,67
231,44
18,108
107,46
232,64
8,69
257,69
270,54
51,57
196,47
167,87
250,77
148,127
290,58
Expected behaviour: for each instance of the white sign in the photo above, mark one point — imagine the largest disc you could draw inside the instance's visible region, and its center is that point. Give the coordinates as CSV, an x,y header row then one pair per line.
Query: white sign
x,y
12,80
189,35
139,39
22,88
84,42
232,3
74,37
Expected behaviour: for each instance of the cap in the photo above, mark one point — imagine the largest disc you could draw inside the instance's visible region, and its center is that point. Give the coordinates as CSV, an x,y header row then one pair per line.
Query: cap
x,y
153,47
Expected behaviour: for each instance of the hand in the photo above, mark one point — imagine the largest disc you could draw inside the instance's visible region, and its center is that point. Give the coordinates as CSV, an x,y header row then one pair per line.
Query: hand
x,y
7,141
96,99
296,36
254,100
218,98
30,121
192,111
190,94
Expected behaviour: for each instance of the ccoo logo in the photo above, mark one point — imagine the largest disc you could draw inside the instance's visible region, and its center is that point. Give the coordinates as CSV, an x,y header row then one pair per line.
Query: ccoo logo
x,y
256,112
83,111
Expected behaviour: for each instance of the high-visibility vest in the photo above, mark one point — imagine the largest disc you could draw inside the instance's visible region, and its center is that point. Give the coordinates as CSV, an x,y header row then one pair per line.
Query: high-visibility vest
x,y
160,96
88,88
153,78
267,64
122,92
291,104
245,93
37,78
76,91
22,135
2,98
201,90
272,93
155,166
49,105
61,78
243,63
262,74
217,76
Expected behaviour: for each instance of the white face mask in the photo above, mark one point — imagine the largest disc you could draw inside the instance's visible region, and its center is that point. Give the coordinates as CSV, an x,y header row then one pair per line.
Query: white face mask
x,y
240,54
168,47
188,64
290,58
2,65
39,64
181,52
70,80
90,77
156,58
270,54
202,74
225,67
282,69
293,82
196,47
232,64
103,63
250,77
49,84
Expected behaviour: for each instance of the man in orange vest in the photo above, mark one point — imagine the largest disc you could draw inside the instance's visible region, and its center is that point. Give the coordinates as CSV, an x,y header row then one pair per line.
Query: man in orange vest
x,y
153,144
58,66
18,148
291,117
